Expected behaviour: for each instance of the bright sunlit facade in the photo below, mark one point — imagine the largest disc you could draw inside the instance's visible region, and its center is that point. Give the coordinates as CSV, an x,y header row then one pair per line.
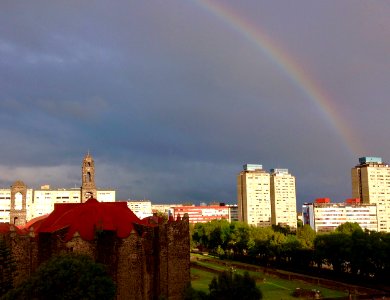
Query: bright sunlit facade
x,y
254,196
283,198
326,217
371,183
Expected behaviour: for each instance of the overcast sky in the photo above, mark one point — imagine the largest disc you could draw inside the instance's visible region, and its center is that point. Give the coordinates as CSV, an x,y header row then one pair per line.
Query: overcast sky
x,y
172,97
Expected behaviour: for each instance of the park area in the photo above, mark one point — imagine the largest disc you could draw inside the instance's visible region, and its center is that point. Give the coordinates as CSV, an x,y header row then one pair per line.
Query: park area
x,y
204,268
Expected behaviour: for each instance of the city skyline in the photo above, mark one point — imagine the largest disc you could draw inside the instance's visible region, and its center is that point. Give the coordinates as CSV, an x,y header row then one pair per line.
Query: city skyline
x,y
173,98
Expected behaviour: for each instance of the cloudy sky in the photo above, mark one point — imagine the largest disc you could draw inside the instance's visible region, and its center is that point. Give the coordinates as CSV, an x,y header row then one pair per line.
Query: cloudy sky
x,y
172,97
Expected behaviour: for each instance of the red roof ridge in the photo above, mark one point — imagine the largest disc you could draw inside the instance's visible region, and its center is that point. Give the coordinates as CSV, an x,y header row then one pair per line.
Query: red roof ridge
x,y
86,218
34,223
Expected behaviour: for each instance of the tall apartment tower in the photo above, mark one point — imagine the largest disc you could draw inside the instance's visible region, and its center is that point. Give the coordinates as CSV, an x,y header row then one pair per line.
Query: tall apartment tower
x,y
371,183
18,212
253,195
88,186
283,198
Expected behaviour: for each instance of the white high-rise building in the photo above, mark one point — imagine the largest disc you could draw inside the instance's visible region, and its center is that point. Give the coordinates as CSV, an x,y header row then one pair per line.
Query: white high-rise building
x,y
283,198
253,195
266,199
371,183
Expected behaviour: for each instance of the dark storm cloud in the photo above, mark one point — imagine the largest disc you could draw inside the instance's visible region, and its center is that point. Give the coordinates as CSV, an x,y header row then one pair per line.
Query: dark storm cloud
x,y
171,101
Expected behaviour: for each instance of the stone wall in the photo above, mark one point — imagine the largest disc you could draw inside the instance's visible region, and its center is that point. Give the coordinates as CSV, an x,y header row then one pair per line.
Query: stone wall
x,y
152,262
174,259
18,215
24,252
177,258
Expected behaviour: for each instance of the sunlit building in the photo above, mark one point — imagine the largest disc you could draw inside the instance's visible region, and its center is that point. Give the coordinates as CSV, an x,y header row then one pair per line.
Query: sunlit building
x,y
163,208
201,213
283,198
45,198
141,208
5,205
253,195
324,216
266,199
233,212
371,184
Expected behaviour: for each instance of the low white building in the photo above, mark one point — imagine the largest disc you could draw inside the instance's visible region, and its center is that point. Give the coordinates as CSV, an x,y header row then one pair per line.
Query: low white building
x,y
141,208
326,216
19,204
164,208
41,201
45,198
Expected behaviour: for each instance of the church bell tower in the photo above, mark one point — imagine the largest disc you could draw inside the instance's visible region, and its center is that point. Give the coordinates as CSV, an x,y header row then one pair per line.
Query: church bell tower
x,y
18,211
88,187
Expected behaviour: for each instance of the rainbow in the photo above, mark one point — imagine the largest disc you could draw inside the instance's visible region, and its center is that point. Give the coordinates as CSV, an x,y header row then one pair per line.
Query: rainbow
x,y
290,67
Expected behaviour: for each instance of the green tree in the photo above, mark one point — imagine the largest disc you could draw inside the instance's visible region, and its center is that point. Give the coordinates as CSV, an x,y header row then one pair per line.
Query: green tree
x,y
192,294
213,235
193,243
260,244
231,286
7,268
306,236
282,229
240,237
162,215
377,263
361,254
348,228
200,236
334,249
66,277
288,251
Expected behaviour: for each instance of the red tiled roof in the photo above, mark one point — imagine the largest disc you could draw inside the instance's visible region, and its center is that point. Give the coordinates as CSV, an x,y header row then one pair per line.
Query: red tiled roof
x,y
34,223
87,218
7,227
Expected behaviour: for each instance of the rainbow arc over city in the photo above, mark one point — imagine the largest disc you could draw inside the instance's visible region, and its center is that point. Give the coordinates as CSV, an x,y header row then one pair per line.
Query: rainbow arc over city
x,y
289,66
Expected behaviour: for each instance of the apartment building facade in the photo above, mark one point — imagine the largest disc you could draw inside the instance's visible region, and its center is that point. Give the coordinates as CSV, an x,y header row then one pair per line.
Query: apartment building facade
x,y
254,195
141,208
324,216
371,184
201,213
283,198
266,199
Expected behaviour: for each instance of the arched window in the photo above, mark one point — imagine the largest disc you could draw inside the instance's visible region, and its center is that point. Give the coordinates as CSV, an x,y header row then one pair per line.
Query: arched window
x,y
18,201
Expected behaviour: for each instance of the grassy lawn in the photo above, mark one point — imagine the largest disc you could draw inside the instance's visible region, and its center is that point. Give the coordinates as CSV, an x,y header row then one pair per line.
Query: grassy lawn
x,y
200,279
271,287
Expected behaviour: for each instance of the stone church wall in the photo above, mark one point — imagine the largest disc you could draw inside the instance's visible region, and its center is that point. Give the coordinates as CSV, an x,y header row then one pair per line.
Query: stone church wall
x,y
151,262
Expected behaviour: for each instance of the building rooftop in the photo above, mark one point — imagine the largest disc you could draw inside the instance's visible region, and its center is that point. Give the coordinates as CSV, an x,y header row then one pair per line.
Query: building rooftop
x,y
279,171
252,167
87,218
370,159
